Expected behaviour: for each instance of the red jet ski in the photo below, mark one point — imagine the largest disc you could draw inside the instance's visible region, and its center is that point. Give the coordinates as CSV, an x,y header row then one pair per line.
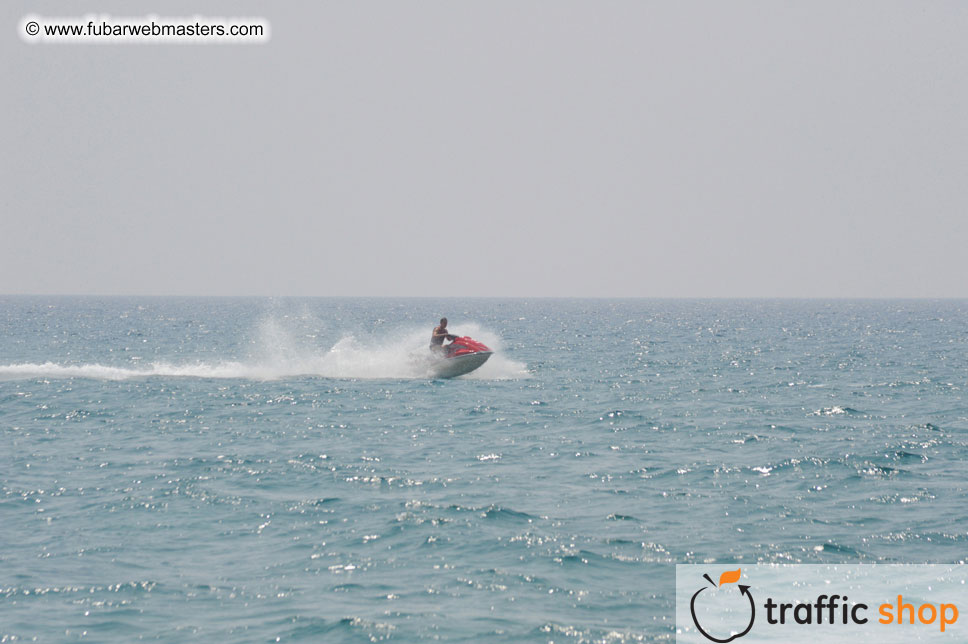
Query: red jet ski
x,y
461,356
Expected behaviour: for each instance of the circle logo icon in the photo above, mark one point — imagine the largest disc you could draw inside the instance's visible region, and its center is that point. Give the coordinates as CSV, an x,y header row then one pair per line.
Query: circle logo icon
x,y
740,598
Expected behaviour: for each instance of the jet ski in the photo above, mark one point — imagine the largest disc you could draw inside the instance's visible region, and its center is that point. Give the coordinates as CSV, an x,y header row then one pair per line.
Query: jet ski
x,y
461,356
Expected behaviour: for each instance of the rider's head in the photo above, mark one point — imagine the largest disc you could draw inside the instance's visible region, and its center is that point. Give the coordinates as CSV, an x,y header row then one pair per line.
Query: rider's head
x,y
443,322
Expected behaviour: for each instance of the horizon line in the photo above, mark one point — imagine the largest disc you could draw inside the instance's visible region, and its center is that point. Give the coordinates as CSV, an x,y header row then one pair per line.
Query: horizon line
x,y
503,297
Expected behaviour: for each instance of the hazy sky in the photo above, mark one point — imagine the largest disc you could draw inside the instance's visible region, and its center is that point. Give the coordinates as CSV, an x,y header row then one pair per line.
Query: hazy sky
x,y
798,149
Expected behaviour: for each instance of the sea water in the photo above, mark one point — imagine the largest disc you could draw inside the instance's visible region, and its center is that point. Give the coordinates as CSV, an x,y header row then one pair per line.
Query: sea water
x,y
260,470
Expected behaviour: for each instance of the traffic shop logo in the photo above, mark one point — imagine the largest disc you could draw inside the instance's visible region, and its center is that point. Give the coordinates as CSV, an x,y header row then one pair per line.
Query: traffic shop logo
x,y
726,611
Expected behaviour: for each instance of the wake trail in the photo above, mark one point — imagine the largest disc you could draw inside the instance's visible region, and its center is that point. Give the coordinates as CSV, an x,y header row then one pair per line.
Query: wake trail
x,y
403,357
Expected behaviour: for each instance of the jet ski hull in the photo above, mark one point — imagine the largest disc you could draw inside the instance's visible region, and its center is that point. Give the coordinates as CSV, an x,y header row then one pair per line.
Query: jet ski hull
x,y
459,365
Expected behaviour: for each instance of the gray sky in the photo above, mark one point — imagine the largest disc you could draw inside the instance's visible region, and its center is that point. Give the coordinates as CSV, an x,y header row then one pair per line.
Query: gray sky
x,y
553,148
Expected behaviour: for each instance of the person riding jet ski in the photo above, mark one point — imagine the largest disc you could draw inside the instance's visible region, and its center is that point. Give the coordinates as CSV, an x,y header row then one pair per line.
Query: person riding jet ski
x,y
439,335
461,356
